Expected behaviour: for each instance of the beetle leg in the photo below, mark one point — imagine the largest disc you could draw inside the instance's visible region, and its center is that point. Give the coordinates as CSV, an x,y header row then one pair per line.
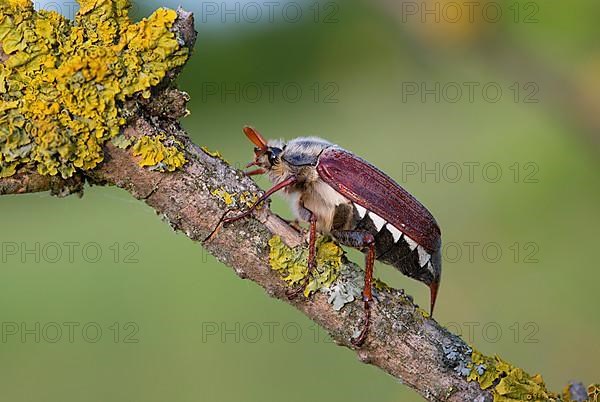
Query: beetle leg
x,y
312,257
255,172
287,182
360,240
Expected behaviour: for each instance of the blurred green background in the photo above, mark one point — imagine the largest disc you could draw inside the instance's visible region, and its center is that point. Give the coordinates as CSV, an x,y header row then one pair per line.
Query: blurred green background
x,y
139,313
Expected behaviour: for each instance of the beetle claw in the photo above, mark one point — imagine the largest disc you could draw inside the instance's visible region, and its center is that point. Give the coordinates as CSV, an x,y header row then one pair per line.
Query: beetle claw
x,y
293,293
360,339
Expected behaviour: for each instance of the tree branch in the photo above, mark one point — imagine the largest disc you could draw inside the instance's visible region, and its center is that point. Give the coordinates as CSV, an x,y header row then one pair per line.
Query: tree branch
x,y
407,345
29,181
403,341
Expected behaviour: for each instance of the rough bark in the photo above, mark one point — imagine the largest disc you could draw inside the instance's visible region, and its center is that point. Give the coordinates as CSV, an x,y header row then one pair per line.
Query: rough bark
x,y
29,181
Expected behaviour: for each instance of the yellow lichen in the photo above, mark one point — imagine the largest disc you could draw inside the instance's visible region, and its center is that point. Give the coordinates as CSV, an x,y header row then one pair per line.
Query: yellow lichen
x,y
594,392
121,141
292,263
241,201
507,383
380,285
224,195
157,155
63,83
424,314
247,198
215,154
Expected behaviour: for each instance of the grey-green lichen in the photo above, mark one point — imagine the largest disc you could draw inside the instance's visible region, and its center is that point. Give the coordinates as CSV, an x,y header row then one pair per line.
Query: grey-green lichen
x,y
347,287
63,82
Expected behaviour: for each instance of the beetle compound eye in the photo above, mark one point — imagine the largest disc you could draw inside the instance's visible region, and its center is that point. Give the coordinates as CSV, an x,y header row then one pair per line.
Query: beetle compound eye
x,y
274,155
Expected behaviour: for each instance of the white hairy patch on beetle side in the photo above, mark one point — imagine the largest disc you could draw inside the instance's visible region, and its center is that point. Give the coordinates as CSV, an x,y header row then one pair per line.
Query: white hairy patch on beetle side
x,y
378,221
296,206
424,256
329,196
361,210
411,243
321,199
395,232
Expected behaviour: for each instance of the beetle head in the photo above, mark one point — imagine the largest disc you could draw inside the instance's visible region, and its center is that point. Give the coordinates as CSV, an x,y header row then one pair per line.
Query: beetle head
x,y
266,154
